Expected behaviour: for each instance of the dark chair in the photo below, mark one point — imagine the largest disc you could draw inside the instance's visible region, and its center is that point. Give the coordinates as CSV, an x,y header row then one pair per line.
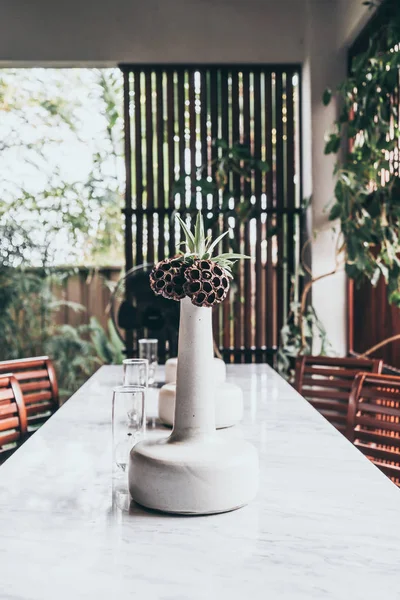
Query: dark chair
x,y
13,417
326,383
373,422
38,382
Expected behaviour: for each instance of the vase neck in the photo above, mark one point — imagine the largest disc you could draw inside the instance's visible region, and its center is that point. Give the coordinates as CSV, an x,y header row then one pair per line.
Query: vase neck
x,y
195,386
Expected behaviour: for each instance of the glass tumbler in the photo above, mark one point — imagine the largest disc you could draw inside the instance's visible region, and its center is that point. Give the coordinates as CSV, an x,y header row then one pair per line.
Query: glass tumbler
x,y
148,348
128,423
136,371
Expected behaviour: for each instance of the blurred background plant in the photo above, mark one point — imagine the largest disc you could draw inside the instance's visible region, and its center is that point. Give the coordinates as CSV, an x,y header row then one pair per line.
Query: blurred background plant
x,y
60,204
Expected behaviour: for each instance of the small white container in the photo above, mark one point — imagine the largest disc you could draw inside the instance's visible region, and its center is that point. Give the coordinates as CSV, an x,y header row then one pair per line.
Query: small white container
x,y
171,367
228,399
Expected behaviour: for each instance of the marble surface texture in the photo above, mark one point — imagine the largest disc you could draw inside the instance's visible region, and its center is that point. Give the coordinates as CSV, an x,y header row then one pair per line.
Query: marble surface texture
x,y
325,524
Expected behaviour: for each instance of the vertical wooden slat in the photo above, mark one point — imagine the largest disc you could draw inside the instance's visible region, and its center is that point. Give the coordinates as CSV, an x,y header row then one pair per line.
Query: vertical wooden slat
x,y
138,168
280,201
257,192
224,117
290,174
128,175
238,306
192,133
181,131
214,128
203,130
171,154
213,79
160,166
149,167
247,195
270,308
128,198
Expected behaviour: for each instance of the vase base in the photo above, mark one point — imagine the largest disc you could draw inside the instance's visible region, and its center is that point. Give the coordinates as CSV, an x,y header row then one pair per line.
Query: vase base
x,y
193,477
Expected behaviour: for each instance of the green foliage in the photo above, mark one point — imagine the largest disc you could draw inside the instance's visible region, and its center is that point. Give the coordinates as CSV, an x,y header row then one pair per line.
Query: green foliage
x,y
198,246
28,310
73,357
291,344
107,345
368,184
236,160
79,351
49,213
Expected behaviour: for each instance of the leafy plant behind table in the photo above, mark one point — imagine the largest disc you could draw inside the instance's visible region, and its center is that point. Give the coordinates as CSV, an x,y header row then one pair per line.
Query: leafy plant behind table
x,y
235,160
367,193
28,308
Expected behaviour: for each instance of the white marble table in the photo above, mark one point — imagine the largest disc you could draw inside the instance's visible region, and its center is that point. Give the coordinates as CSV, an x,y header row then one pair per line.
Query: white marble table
x,y
325,525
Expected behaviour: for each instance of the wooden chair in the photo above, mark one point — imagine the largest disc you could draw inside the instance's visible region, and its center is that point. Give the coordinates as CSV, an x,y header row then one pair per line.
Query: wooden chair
x,y
13,417
326,383
373,422
38,382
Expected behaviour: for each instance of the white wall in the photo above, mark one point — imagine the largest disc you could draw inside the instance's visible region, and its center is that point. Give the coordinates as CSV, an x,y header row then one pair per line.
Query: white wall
x,y
352,17
106,32
332,28
327,66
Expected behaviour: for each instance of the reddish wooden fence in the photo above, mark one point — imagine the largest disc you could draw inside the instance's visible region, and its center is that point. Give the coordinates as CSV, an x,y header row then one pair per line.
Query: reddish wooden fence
x,y
89,288
373,320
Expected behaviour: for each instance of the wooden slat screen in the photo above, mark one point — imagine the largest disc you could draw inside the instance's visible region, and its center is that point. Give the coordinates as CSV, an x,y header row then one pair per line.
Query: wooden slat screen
x,y
175,113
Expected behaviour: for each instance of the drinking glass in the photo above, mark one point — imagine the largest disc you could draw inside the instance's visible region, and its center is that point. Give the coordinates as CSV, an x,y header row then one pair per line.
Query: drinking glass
x,y
128,422
148,348
136,371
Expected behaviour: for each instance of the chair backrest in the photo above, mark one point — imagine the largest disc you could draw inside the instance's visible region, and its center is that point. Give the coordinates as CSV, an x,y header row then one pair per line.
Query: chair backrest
x,y
373,422
13,418
326,383
38,382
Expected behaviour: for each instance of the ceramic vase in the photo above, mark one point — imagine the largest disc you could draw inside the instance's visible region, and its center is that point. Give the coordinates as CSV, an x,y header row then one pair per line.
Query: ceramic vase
x,y
194,470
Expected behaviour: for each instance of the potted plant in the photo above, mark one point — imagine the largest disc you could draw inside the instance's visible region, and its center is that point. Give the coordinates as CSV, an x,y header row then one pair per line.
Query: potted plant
x,y
195,470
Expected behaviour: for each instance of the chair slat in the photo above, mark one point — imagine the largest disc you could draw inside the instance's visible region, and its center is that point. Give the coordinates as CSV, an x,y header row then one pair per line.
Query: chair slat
x,y
8,409
392,471
32,374
331,373
39,409
375,424
380,453
8,438
326,383
6,394
330,382
379,409
328,405
380,393
12,366
9,423
377,437
373,421
13,419
38,383
36,398
34,385
346,362
318,393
